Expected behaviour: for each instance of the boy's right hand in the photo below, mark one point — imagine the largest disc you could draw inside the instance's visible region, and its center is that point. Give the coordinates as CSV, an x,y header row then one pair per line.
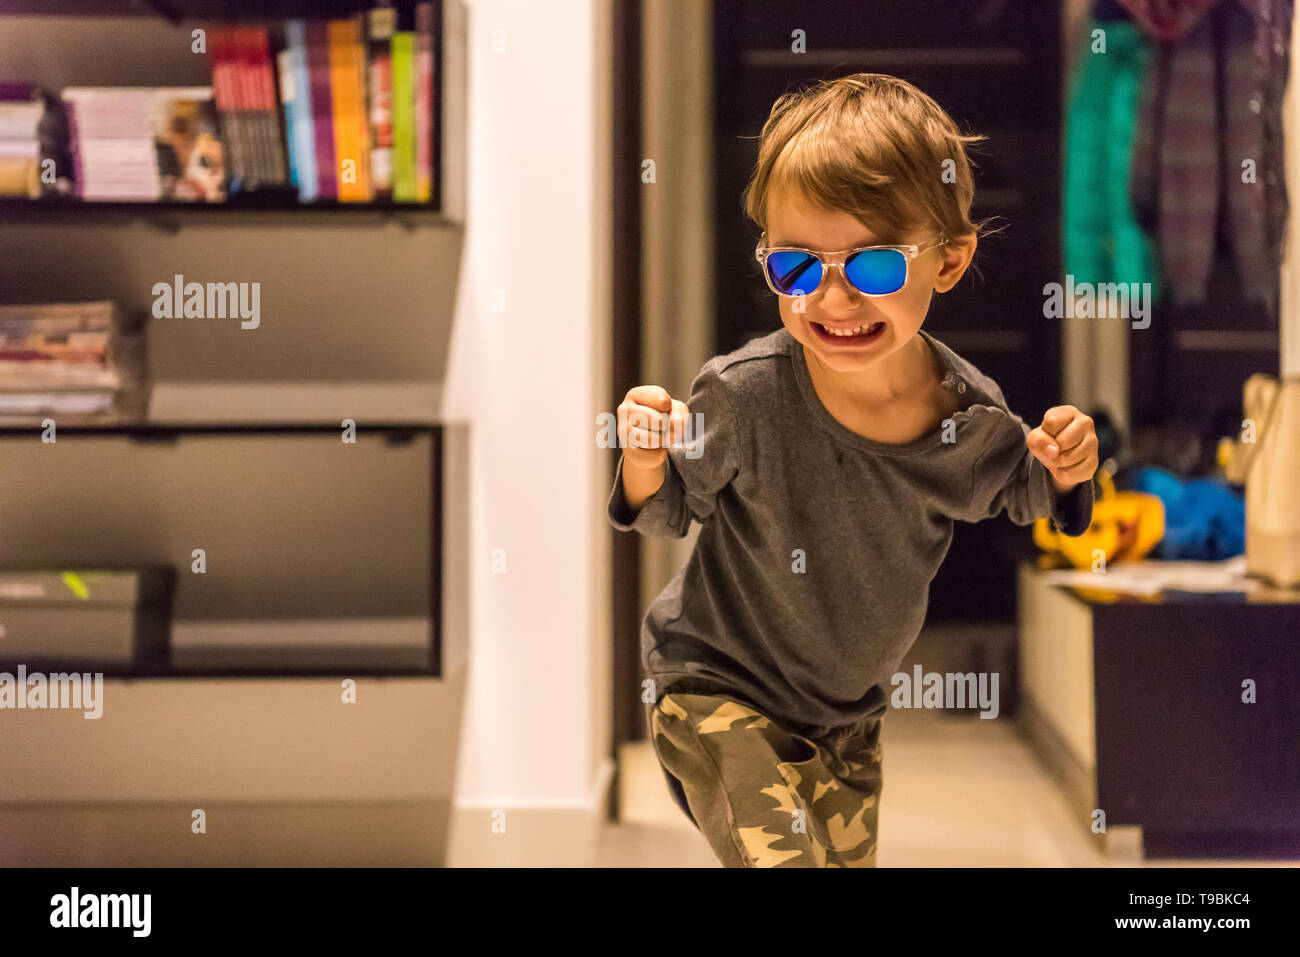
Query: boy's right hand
x,y
649,421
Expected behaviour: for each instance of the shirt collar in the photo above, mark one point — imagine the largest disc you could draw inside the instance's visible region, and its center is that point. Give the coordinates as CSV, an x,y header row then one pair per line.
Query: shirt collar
x,y
959,376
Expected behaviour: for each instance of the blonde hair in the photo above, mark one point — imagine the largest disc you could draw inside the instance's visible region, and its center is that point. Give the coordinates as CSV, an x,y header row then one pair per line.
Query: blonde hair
x,y
873,146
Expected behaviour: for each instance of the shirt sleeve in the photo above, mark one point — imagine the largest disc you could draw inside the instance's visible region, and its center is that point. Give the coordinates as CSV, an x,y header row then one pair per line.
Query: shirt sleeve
x,y
701,466
1007,477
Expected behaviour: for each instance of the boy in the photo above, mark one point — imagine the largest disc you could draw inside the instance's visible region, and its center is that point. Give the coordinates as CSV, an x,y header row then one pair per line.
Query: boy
x,y
826,464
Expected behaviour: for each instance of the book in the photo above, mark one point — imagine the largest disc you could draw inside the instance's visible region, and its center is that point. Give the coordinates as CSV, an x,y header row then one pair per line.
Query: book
x,y
22,109
226,94
404,185
284,72
351,133
19,119
322,108
94,402
188,147
264,102
380,25
302,135
20,168
424,46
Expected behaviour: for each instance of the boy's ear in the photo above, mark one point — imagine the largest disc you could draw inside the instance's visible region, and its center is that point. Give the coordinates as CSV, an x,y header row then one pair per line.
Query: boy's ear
x,y
957,255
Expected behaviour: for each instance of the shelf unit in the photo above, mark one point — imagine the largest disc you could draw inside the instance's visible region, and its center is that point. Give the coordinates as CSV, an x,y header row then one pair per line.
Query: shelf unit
x,y
356,311
206,379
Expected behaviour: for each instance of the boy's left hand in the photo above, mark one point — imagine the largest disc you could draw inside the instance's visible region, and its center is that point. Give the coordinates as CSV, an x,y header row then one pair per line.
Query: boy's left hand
x,y
1067,445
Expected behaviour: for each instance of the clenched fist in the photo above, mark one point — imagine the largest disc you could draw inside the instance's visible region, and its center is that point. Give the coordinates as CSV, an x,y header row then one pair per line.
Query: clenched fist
x,y
1067,445
649,421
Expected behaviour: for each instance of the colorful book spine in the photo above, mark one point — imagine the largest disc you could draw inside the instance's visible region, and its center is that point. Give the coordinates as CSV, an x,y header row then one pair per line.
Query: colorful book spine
x,y
302,136
404,179
322,108
351,136
262,79
361,113
381,24
246,106
233,133
288,101
424,46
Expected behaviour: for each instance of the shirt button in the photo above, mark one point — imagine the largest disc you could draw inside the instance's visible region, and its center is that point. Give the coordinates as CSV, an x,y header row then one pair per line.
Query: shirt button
x,y
1254,105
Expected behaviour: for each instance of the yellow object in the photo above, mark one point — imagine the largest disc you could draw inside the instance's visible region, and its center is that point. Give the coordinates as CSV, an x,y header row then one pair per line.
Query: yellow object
x,y
1125,527
76,585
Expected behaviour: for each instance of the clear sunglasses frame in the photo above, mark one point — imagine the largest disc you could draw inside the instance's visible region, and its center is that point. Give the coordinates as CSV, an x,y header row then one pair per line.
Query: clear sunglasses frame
x,y
761,252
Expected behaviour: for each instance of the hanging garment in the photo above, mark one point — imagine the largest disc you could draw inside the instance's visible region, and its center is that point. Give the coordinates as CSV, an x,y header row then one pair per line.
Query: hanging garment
x,y
1166,20
1104,11
1208,150
1102,240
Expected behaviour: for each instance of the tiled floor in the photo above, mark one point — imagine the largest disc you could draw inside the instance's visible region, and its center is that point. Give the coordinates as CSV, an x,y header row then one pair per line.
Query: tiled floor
x,y
959,792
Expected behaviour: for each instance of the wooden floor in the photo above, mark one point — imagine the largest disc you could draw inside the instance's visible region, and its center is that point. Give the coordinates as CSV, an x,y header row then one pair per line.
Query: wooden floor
x,y
959,792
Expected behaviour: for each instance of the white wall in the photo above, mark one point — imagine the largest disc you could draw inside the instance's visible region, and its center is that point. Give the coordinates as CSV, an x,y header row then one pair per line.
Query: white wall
x,y
529,382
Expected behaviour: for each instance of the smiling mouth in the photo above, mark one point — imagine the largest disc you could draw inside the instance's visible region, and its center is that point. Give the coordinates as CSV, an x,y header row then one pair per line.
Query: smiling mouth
x,y
849,335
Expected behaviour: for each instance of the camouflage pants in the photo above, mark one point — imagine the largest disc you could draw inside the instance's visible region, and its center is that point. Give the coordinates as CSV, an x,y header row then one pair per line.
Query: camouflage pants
x,y
764,795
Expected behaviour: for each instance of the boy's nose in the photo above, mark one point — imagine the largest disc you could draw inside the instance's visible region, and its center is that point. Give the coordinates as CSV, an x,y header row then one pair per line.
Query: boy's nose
x,y
836,288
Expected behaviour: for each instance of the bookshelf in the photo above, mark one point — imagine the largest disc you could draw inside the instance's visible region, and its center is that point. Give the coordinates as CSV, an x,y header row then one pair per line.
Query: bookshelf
x,y
326,561
358,300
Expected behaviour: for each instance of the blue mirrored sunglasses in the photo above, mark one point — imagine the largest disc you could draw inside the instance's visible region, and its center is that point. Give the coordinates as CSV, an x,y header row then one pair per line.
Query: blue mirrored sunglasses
x,y
872,270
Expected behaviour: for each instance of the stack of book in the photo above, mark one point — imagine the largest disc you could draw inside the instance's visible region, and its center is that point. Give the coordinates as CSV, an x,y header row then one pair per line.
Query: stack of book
x,y
58,358
145,144
21,110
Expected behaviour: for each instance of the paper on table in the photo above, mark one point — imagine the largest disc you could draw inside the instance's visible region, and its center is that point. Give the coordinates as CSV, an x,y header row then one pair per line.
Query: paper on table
x,y
1153,577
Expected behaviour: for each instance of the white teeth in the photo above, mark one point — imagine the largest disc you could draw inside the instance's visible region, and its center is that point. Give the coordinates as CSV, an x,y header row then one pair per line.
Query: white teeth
x,y
851,332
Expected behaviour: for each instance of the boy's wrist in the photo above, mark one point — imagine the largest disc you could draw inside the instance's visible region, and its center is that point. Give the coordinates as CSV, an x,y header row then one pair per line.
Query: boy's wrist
x,y
630,465
1064,489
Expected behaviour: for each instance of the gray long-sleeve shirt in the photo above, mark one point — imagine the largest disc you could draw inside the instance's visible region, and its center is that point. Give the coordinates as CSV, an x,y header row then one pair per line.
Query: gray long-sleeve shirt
x,y
810,577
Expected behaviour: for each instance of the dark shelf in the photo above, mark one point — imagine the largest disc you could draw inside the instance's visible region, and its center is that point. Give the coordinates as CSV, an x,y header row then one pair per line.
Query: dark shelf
x,y
164,670
161,431
69,210
191,9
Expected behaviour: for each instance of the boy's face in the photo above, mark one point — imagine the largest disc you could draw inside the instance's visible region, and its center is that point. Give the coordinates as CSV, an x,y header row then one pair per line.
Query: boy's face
x,y
893,319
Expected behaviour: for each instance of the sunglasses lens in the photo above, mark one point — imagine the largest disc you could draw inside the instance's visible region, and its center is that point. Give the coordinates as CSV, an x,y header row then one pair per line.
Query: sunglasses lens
x,y
877,272
793,272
